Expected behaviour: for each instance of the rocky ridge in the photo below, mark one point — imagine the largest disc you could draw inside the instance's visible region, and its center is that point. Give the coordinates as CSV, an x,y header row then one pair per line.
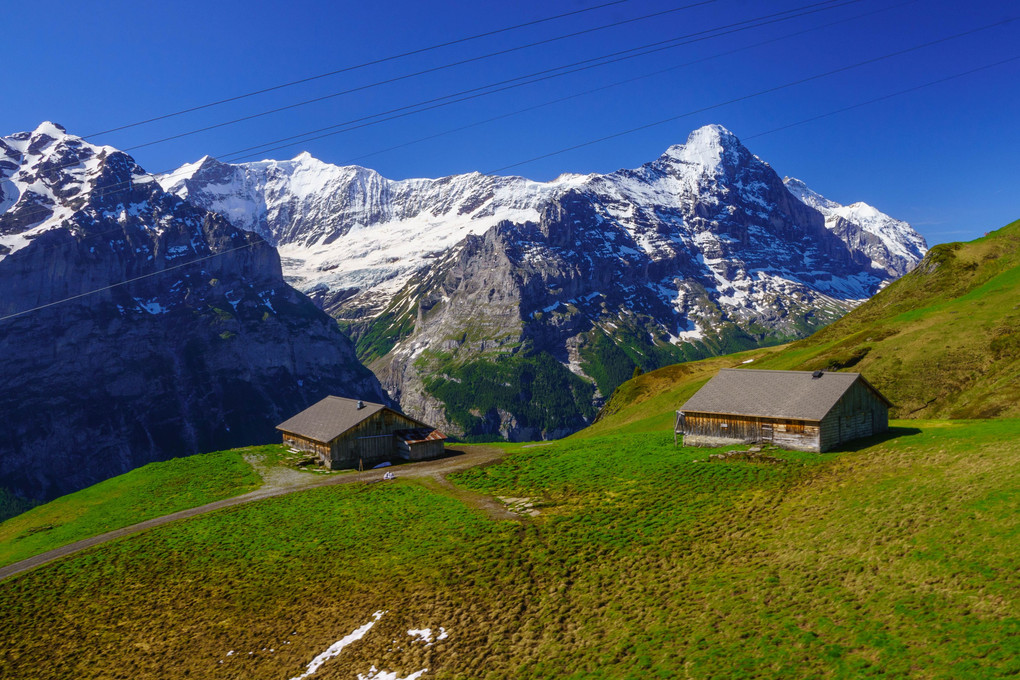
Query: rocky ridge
x,y
205,347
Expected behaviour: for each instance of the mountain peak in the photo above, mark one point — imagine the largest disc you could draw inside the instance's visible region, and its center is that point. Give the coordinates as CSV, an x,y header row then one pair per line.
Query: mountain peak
x,y
706,147
808,196
50,129
305,157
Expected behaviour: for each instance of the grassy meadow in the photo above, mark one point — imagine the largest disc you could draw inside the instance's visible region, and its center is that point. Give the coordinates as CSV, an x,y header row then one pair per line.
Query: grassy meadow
x,y
151,491
894,559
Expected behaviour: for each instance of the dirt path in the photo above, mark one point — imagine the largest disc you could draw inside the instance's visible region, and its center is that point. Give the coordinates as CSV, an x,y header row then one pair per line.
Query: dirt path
x,y
280,482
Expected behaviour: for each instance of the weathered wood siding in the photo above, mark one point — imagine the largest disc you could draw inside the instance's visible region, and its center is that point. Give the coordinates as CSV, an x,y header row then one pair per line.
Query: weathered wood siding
x,y
421,450
800,435
711,429
369,442
304,444
858,413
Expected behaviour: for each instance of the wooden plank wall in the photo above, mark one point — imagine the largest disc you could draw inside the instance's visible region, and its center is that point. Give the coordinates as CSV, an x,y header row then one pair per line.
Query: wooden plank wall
x,y
369,442
708,429
320,450
421,450
859,413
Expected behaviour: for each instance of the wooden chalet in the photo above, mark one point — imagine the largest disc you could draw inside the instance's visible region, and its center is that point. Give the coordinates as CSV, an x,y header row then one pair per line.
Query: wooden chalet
x,y
793,409
348,433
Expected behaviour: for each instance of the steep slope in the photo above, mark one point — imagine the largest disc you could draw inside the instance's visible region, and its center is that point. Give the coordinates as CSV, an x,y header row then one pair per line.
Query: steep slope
x,y
890,243
501,306
943,341
206,348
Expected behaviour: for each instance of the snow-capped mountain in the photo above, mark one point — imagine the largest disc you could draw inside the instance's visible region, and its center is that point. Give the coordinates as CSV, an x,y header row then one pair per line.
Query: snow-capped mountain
x,y
890,243
137,327
463,285
343,229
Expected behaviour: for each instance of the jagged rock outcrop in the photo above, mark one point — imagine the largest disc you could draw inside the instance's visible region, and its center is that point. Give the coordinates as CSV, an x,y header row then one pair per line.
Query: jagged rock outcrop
x,y
204,347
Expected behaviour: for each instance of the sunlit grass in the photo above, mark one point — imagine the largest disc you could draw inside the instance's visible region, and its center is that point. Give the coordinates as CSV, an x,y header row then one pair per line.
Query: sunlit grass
x,y
151,491
894,559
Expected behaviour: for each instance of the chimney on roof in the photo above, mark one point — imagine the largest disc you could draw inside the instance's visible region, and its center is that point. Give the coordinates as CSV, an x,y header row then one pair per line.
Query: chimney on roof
x,y
361,404
816,374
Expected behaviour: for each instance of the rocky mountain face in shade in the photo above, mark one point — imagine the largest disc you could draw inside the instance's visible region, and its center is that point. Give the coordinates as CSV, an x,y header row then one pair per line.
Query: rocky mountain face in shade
x,y
500,306
193,342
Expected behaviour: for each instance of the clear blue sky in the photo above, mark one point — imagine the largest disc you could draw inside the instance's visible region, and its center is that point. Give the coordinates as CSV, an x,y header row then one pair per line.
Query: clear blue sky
x,y
943,157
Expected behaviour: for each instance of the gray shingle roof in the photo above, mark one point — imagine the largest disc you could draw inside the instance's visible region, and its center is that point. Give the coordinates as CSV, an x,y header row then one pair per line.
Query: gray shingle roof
x,y
328,419
796,395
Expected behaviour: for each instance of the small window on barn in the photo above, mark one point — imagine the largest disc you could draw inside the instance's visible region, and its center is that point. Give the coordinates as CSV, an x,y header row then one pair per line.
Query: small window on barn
x,y
724,425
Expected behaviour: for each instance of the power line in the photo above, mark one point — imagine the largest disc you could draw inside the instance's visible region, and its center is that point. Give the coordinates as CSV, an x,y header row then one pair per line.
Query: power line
x,y
658,46
760,134
539,76
615,84
884,97
121,186
415,74
759,93
355,67
137,278
717,31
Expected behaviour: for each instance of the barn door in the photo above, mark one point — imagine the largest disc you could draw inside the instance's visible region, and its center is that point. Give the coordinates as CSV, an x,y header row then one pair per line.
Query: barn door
x,y
766,432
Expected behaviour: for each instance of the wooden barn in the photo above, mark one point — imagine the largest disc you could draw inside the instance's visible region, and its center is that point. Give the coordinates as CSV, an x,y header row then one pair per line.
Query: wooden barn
x,y
793,409
348,433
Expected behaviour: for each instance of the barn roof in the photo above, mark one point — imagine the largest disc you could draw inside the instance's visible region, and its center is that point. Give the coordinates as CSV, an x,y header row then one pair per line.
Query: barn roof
x,y
796,395
326,420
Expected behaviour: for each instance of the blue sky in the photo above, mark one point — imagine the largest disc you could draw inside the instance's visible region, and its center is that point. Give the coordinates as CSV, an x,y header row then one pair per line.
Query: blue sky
x,y
942,157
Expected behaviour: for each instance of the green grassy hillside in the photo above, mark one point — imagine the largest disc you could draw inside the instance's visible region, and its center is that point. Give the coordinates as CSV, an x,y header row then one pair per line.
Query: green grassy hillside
x,y
897,559
893,558
151,491
943,341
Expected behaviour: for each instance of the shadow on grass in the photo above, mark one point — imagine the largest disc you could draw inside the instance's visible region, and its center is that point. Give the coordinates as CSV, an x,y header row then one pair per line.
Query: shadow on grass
x,y
875,440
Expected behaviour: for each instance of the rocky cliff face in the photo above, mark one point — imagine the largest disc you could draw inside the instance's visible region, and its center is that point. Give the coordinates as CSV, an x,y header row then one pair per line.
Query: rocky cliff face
x,y
136,327
504,307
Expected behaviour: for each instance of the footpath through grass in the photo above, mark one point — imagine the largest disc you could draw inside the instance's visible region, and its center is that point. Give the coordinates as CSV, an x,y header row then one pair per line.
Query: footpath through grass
x,y
151,491
898,559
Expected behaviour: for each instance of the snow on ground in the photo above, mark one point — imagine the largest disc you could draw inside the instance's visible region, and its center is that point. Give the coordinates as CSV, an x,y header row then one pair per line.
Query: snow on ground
x,y
425,634
376,674
420,634
338,647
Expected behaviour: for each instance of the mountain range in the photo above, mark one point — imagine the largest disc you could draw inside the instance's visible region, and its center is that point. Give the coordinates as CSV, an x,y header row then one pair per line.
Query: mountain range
x,y
504,307
145,318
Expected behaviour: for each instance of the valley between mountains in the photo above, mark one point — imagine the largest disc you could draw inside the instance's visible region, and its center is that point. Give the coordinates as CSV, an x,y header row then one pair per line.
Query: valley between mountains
x,y
891,557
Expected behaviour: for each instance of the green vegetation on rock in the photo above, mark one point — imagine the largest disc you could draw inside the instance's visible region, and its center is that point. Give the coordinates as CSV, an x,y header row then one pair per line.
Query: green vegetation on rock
x,y
540,392
12,504
943,341
893,557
